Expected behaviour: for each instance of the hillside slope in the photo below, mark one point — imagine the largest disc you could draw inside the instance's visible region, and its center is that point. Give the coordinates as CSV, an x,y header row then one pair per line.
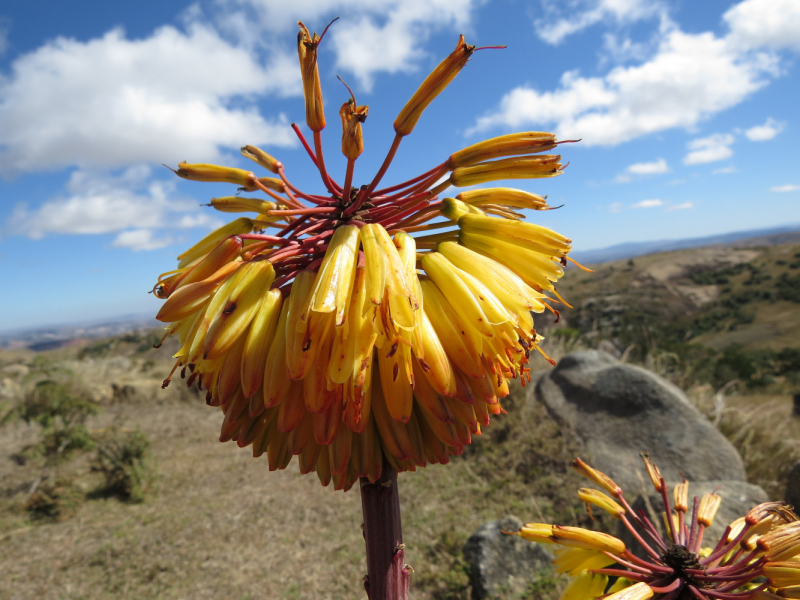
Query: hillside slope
x,y
715,296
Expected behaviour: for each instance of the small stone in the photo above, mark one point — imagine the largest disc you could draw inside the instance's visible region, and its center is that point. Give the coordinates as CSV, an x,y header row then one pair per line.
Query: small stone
x,y
501,563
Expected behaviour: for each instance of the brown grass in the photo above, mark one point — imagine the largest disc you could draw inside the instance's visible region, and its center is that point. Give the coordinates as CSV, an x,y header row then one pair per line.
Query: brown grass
x,y
763,430
218,524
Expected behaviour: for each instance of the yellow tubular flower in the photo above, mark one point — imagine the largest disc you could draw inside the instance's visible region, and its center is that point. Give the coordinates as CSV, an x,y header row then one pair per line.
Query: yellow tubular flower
x,y
257,155
203,172
585,586
573,561
508,168
638,591
349,332
677,566
503,197
237,204
599,499
514,144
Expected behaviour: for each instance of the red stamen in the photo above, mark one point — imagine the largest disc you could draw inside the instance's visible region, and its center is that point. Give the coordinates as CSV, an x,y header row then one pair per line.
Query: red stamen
x,y
400,186
620,573
365,193
319,210
305,143
326,179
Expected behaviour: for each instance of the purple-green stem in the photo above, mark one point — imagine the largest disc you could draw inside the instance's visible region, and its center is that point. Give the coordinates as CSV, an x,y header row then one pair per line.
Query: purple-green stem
x,y
387,574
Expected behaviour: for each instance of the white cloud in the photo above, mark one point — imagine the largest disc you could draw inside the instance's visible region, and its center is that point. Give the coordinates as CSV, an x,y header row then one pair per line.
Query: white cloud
x,y
562,19
689,77
140,239
709,149
764,23
682,206
98,204
649,168
620,51
615,207
648,204
785,188
767,131
114,101
383,37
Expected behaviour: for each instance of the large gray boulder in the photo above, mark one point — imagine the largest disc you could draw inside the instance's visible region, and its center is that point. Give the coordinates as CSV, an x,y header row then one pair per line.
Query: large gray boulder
x,y
793,488
738,497
618,410
503,566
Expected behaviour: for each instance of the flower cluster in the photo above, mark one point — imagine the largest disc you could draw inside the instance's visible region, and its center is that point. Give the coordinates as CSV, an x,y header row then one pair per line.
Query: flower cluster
x,y
757,557
342,338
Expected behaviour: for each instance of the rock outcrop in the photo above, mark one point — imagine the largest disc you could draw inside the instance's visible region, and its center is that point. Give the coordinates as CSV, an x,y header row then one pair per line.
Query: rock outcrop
x,y
618,410
503,564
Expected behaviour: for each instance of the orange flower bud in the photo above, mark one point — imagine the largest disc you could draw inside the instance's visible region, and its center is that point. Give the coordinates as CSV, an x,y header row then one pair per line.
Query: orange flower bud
x,y
652,471
352,118
312,89
433,85
681,495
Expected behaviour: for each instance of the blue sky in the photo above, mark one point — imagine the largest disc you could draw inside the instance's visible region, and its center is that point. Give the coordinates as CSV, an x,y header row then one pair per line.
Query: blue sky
x,y
687,112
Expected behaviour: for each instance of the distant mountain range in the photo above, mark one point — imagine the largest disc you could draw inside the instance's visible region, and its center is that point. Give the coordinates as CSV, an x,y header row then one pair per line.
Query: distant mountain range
x,y
58,336
752,237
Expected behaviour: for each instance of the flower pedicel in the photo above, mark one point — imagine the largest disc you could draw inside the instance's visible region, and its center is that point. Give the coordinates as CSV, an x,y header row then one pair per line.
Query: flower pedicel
x,y
349,332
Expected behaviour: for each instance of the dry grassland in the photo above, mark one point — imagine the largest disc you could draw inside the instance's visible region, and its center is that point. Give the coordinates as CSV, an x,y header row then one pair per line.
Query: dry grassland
x,y
217,524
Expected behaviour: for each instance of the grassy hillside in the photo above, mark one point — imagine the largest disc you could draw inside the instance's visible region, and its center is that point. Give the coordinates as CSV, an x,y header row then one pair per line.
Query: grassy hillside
x,y
723,313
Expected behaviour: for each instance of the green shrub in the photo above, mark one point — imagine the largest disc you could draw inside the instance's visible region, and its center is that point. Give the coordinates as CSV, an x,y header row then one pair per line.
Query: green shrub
x,y
54,501
55,404
123,458
788,288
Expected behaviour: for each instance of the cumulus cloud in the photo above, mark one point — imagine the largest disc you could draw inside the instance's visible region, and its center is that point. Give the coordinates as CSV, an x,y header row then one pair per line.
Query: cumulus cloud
x,y
648,204
764,23
140,239
385,37
649,168
646,168
767,131
785,188
709,149
688,77
98,204
563,19
114,101
682,206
